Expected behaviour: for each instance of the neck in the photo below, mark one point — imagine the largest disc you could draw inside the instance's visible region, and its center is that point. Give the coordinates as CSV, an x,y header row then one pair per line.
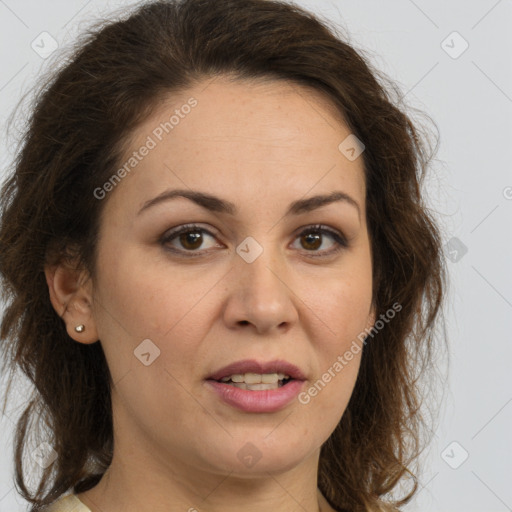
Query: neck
x,y
134,485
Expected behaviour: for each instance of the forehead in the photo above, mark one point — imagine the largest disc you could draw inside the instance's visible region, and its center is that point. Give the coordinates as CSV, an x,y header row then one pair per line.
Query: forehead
x,y
275,109
223,133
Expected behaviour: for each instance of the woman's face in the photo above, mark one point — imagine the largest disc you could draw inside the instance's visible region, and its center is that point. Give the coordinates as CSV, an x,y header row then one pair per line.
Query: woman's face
x,y
254,280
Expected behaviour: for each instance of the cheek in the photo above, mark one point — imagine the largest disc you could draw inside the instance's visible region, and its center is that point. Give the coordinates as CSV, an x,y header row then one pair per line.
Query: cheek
x,y
342,305
343,308
147,298
138,300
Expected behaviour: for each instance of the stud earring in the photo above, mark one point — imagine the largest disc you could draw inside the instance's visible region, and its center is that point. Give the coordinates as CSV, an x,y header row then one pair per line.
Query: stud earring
x,y
80,328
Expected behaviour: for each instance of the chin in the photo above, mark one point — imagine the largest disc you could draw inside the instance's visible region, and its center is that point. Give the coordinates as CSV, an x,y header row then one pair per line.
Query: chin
x,y
252,458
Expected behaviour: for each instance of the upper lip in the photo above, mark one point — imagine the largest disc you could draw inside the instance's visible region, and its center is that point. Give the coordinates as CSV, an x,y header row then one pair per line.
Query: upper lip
x,y
253,366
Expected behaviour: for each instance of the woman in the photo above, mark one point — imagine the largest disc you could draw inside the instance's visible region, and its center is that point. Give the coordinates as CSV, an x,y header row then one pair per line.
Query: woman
x,y
219,271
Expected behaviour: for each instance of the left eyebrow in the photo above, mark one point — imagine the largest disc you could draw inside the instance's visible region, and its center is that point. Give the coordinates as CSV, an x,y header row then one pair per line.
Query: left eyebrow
x,y
216,204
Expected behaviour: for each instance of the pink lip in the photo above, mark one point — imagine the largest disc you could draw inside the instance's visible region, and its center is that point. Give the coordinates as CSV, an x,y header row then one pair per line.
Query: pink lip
x,y
270,400
253,366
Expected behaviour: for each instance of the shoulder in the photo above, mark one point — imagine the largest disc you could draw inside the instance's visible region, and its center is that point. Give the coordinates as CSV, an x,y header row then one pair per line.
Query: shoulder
x,y
68,503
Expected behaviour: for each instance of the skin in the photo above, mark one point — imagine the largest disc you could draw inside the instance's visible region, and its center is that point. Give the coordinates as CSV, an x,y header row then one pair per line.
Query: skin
x,y
260,145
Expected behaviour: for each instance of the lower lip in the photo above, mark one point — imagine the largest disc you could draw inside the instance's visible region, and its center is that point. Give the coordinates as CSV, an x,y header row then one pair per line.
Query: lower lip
x,y
269,400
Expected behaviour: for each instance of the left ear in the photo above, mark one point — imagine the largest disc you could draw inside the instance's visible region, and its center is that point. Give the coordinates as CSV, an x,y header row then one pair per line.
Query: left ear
x,y
70,292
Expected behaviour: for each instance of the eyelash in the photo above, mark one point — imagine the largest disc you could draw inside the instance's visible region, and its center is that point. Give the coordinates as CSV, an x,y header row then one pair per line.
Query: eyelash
x,y
339,239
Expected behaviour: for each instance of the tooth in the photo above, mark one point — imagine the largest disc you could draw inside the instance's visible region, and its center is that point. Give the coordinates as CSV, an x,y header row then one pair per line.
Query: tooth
x,y
261,387
241,385
252,378
255,378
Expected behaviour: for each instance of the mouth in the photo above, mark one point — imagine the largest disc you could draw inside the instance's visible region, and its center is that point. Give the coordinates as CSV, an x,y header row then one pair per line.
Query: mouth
x,y
250,372
257,387
256,381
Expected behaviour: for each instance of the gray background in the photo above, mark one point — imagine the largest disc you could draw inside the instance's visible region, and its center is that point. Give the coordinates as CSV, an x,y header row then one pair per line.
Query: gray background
x,y
469,95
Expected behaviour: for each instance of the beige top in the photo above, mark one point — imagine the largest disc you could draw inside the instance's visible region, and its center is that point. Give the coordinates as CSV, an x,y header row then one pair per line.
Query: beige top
x,y
68,503
71,503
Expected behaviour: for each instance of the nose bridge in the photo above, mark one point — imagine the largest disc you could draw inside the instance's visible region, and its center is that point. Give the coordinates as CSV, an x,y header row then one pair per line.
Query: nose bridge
x,y
259,292
259,267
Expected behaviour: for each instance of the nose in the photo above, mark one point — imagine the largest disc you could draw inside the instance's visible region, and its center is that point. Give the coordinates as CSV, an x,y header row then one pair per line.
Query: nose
x,y
260,297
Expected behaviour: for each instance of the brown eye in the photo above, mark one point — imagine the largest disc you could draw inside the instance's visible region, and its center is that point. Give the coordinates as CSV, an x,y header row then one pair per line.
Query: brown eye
x,y
189,239
313,237
311,241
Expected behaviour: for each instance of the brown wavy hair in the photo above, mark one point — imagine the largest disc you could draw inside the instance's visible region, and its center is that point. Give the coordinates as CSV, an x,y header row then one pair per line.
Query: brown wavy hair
x,y
80,122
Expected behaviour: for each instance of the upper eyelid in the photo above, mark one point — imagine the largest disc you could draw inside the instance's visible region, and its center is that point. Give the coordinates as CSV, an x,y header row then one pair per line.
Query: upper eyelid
x,y
191,227
184,228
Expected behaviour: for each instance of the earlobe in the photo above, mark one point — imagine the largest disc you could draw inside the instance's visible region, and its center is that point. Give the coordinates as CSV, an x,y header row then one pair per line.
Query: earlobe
x,y
71,297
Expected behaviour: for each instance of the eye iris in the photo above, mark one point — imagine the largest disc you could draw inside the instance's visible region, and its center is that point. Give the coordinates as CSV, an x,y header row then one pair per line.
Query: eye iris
x,y
191,236
312,238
